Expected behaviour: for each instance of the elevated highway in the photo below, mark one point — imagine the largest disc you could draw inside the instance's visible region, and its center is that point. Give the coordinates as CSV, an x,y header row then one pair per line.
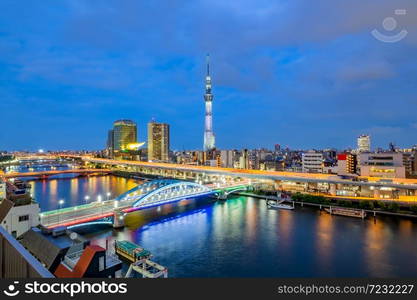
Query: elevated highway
x,y
165,169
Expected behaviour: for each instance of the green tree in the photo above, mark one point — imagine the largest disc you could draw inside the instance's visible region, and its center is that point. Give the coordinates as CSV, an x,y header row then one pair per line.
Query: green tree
x,y
393,207
366,204
413,208
381,205
298,197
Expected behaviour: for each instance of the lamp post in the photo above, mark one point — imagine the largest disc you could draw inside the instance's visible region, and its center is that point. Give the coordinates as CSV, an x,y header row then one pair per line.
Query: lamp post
x,y
86,198
108,195
99,202
61,203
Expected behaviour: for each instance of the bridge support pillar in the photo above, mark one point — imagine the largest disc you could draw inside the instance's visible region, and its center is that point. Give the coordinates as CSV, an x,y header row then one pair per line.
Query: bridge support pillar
x,y
332,190
118,218
377,194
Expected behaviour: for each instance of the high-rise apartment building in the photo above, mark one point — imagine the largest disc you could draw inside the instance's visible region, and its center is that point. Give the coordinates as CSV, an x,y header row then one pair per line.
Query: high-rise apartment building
x,y
277,147
244,159
110,141
158,141
227,158
364,143
124,133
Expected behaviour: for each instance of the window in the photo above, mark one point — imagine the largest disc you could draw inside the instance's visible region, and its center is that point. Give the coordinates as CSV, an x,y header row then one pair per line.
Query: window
x,y
23,218
101,264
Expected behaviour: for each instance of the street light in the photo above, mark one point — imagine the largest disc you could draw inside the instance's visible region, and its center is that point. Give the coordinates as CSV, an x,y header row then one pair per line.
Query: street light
x,y
108,195
86,198
99,198
60,202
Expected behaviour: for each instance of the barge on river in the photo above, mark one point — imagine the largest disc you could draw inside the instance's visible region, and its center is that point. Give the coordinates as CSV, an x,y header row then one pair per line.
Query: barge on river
x,y
347,212
131,251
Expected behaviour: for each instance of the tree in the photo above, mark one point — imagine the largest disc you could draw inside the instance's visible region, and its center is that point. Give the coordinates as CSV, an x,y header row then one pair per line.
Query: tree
x,y
298,197
413,208
381,205
366,204
393,207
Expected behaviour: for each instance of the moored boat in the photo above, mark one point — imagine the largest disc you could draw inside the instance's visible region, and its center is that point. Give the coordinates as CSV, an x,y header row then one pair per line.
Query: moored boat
x,y
131,251
348,212
279,205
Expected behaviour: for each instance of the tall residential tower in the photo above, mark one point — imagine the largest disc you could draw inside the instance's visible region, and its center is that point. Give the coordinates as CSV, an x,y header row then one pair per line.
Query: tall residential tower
x,y
364,143
158,141
209,139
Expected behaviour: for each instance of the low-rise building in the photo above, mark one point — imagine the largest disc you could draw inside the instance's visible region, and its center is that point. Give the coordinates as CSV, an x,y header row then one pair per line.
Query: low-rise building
x,y
18,211
410,162
67,254
20,218
346,164
384,164
312,162
2,190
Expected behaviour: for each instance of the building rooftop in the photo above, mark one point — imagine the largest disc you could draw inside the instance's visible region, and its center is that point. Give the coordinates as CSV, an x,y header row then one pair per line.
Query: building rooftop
x,y
124,122
49,246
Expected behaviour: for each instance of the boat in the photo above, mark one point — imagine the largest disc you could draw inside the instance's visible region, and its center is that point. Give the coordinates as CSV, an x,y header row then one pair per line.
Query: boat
x,y
347,212
279,205
131,251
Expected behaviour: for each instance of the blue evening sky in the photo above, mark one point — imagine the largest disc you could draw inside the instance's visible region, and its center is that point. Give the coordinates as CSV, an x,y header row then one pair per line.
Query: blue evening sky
x,y
301,73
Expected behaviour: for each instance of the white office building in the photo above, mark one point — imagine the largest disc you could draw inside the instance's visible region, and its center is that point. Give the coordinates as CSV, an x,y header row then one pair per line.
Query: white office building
x,y
312,162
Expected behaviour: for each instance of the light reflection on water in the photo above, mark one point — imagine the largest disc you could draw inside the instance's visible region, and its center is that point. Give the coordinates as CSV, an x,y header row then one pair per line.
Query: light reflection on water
x,y
73,190
243,238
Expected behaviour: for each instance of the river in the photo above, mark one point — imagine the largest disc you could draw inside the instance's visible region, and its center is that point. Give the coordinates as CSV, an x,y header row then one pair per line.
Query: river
x,y
243,238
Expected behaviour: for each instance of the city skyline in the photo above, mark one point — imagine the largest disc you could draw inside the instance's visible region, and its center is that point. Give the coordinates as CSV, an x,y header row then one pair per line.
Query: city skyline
x,y
299,87
270,145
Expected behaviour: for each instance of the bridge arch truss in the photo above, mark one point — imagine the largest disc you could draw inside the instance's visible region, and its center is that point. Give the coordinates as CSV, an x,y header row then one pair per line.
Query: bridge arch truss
x,y
164,191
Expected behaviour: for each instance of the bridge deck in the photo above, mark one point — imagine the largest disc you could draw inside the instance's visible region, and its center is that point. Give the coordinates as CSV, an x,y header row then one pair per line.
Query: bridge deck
x,y
55,172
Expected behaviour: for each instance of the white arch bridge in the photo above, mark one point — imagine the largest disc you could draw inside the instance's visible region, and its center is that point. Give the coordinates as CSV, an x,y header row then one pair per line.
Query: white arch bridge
x,y
149,194
163,191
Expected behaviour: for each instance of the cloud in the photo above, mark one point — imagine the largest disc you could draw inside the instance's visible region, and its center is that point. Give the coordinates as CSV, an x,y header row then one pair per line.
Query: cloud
x,y
301,60
365,72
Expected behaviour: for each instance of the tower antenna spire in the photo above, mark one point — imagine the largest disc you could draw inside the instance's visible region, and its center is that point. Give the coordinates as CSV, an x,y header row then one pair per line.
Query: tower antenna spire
x,y
208,64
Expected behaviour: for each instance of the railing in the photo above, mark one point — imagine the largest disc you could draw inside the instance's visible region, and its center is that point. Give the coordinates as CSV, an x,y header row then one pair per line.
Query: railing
x,y
72,259
16,261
